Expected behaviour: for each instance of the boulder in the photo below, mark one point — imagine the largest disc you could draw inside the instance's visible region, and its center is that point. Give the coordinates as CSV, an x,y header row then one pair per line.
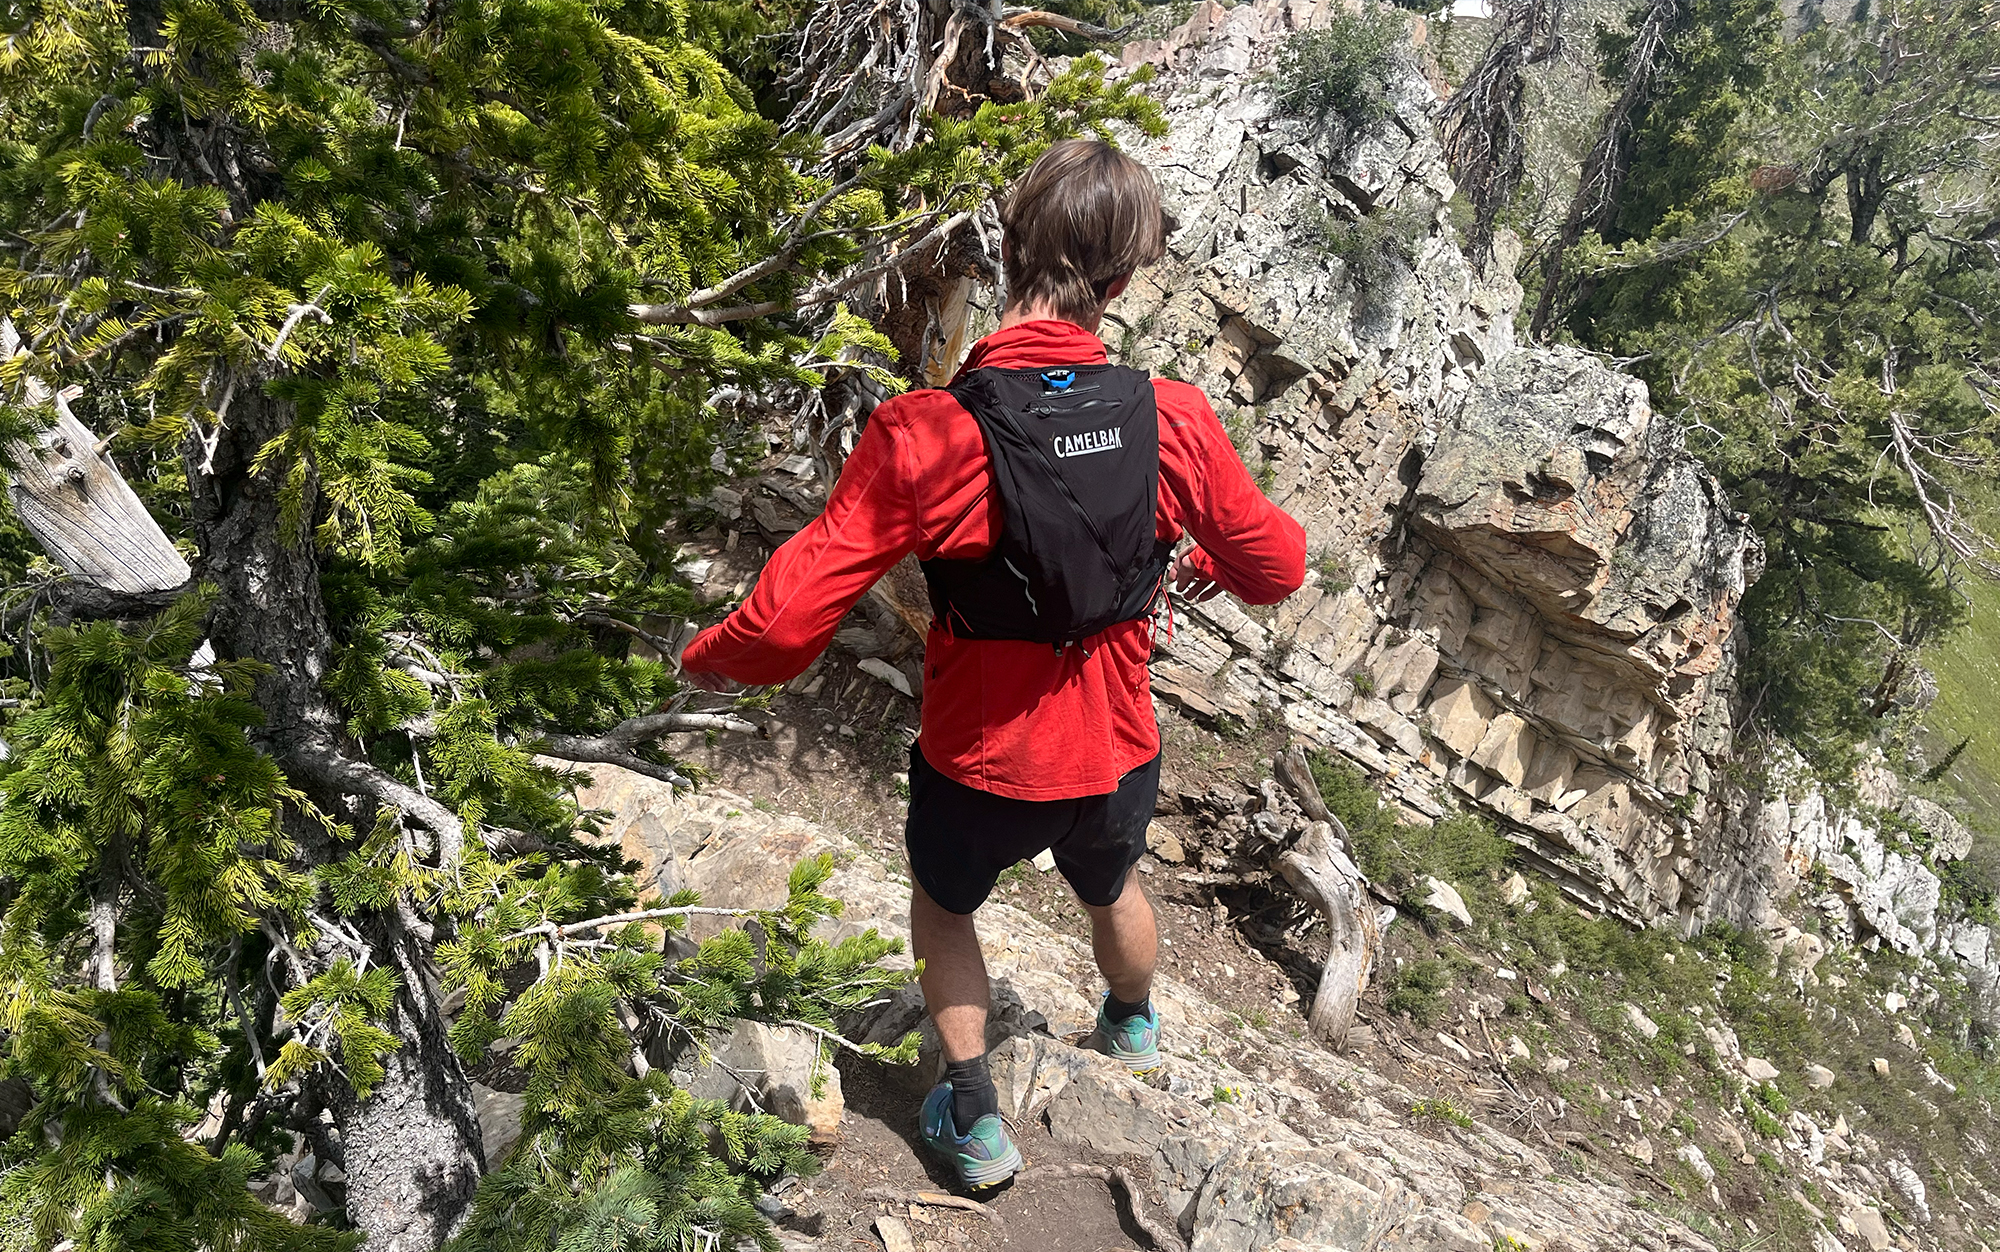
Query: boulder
x,y
1695,1159
1644,1025
775,1070
1445,899
1757,1069
1910,1187
1869,1227
499,1114
1818,1077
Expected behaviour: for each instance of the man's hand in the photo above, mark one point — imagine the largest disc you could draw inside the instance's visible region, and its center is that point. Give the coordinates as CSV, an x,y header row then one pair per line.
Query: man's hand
x,y
1188,582
709,681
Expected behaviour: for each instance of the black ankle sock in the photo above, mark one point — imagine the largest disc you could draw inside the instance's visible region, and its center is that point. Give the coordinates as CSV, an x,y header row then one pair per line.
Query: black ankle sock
x,y
1117,1010
972,1093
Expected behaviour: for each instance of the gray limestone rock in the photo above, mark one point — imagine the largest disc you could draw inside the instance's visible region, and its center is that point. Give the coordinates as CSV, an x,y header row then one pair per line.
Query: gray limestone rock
x,y
1445,899
1268,1167
499,1114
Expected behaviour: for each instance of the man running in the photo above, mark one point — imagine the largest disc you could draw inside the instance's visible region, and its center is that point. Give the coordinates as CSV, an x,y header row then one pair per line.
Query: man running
x,y
1043,492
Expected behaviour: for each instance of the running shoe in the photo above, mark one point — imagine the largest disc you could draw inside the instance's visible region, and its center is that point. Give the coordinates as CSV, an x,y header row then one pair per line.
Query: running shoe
x,y
1133,1043
985,1157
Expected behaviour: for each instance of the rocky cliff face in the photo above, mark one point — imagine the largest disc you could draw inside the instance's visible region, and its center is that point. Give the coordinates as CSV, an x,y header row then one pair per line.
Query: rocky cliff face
x,y
1524,587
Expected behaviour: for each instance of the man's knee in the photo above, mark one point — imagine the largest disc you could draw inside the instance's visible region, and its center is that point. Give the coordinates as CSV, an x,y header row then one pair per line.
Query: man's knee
x,y
1130,900
937,915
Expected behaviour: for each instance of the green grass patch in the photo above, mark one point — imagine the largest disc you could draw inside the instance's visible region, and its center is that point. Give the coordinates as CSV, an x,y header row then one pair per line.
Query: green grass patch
x,y
1967,666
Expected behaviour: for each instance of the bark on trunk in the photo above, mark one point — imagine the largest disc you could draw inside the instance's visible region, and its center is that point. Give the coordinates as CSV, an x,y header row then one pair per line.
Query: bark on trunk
x,y
77,505
412,1150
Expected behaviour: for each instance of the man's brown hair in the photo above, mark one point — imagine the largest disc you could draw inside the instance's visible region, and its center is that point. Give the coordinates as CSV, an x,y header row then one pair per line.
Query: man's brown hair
x,y
1084,216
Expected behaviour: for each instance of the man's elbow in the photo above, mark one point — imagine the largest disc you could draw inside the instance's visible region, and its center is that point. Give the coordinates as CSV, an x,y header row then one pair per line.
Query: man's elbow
x,y
1281,585
1285,573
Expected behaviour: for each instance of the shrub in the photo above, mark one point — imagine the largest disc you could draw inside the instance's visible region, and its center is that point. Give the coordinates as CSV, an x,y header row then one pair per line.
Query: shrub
x,y
1378,246
1416,990
1379,252
1973,884
1342,69
1370,826
1439,1109
1773,1099
1461,848
1395,854
1761,1121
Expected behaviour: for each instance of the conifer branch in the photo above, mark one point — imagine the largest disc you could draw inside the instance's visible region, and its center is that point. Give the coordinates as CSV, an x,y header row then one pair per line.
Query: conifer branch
x,y
795,240
563,930
567,748
293,315
1019,19
691,314
615,746
104,957
235,997
831,1036
667,649
329,767
86,602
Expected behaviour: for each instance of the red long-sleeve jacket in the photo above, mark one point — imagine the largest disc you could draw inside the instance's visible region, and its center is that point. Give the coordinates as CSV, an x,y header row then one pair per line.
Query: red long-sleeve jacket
x,y
1006,716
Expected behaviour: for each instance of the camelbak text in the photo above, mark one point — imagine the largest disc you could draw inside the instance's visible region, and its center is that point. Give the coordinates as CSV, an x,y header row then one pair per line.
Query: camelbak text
x,y
1089,442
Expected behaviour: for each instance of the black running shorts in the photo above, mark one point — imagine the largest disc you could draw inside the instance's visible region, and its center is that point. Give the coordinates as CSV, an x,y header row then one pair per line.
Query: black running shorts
x,y
961,839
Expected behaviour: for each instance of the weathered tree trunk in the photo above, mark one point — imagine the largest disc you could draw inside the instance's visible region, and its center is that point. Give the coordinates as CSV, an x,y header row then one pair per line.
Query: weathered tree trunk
x,y
1602,181
77,505
411,1149
1319,868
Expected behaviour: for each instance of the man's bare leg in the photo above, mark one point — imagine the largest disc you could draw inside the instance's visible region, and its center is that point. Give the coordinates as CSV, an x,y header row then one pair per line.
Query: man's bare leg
x,y
959,999
1126,942
954,979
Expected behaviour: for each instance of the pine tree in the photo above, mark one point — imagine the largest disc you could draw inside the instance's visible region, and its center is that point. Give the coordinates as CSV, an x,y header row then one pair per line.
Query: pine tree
x,y
410,323
1801,264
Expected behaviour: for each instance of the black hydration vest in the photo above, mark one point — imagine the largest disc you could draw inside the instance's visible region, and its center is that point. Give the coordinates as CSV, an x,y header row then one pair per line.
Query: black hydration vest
x,y
1076,460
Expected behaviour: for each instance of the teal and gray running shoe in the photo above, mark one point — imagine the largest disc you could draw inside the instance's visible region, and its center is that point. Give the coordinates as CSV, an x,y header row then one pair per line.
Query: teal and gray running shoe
x,y
984,1158
1133,1043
